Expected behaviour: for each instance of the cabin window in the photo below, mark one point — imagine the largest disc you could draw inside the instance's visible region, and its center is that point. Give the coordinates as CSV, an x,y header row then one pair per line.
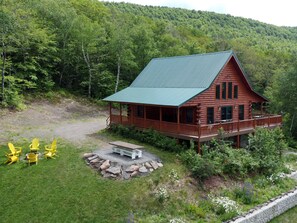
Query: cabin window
x,y
218,91
189,115
241,112
226,113
224,90
230,90
236,91
210,115
140,111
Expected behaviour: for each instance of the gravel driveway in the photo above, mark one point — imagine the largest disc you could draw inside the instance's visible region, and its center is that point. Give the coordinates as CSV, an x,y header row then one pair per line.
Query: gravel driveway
x,y
75,121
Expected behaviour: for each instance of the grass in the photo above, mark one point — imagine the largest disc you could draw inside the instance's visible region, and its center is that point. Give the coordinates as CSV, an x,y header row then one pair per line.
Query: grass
x,y
66,189
288,217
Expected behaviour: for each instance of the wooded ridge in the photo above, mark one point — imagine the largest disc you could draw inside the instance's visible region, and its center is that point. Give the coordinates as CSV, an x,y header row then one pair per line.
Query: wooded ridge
x,y
94,48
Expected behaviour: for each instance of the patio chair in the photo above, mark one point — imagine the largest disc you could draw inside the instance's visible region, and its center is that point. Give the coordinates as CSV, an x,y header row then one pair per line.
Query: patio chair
x,y
50,150
11,159
14,151
32,158
34,146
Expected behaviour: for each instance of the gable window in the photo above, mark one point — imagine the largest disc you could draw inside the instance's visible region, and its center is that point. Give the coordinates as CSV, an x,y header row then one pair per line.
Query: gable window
x,y
226,113
224,90
241,112
218,91
230,90
236,91
140,111
210,115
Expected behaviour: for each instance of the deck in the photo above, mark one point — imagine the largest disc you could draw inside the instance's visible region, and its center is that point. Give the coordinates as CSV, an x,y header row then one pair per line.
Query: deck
x,y
201,132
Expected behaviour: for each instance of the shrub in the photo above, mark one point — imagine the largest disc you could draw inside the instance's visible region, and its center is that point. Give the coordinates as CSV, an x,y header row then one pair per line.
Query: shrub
x,y
149,136
246,193
200,168
162,194
266,147
195,211
224,205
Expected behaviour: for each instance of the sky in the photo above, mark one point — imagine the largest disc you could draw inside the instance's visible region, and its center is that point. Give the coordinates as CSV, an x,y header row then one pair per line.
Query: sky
x,y
276,12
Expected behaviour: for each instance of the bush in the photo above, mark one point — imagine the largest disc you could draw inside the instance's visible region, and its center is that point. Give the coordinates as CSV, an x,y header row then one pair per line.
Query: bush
x,y
200,168
227,160
149,136
266,147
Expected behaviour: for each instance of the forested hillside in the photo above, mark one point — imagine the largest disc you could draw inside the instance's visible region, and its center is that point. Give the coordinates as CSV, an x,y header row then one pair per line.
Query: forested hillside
x,y
96,48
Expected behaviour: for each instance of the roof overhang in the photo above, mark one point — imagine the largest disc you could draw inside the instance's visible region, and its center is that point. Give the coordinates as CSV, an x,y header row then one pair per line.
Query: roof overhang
x,y
155,96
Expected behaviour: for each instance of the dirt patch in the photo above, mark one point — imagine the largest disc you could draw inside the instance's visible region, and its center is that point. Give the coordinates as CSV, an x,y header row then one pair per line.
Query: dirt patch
x,y
69,119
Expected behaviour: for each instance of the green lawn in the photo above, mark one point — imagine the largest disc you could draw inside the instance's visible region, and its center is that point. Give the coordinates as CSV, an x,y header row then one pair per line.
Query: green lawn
x,y
67,190
288,217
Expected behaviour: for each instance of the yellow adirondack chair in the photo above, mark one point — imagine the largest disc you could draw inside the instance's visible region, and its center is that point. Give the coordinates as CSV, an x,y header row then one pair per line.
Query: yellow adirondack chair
x,y
50,150
14,151
32,158
11,159
34,146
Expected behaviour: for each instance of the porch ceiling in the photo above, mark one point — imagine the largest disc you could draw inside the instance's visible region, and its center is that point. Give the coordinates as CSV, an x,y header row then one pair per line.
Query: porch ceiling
x,y
155,96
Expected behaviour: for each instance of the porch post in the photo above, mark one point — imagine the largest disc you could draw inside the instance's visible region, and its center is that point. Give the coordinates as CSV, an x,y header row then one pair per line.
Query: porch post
x,y
238,136
121,119
199,135
109,113
132,114
178,121
144,111
262,108
160,118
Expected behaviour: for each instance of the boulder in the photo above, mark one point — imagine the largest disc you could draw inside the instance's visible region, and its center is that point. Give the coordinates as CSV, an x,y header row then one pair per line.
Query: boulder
x,y
105,165
143,169
125,175
116,170
93,157
160,164
148,165
154,165
87,155
97,160
132,168
135,173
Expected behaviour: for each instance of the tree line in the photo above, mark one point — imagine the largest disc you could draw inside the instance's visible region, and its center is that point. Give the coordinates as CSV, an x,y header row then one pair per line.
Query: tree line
x,y
94,48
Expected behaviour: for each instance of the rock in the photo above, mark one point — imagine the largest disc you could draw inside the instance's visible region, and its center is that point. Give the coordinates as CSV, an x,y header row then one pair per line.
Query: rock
x,y
132,168
154,165
114,170
151,169
87,155
135,173
125,175
160,164
105,165
92,157
148,165
113,176
97,166
97,160
143,169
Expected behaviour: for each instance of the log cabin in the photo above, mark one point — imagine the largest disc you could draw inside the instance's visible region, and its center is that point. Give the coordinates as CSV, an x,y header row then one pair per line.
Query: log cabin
x,y
192,97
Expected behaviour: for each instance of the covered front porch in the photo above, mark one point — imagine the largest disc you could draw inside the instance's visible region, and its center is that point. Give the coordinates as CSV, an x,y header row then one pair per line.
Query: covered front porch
x,y
184,122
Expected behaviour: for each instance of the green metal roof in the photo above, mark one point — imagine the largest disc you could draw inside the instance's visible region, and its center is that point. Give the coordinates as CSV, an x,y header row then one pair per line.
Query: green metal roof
x,y
172,81
183,71
155,96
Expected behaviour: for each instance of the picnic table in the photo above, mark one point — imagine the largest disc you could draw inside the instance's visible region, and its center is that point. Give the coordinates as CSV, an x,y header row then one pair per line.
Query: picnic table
x,y
127,149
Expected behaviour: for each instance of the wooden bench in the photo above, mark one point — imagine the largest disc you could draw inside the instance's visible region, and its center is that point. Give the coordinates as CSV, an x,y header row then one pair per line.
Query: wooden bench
x,y
127,149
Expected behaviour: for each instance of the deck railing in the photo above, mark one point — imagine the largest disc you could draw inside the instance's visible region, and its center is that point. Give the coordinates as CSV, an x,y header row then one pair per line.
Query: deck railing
x,y
200,131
